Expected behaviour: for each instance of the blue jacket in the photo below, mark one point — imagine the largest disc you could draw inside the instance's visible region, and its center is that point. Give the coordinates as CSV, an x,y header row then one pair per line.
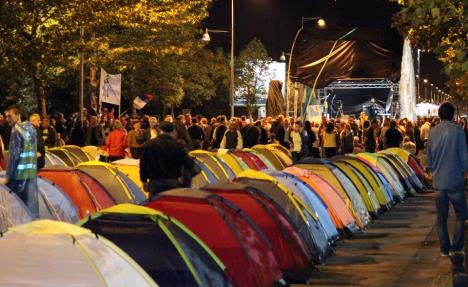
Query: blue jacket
x,y
447,155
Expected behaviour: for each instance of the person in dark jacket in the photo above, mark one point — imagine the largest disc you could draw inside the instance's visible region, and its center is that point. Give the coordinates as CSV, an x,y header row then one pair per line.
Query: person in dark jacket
x,y
263,133
370,139
35,120
232,138
196,134
250,135
311,138
218,132
48,133
392,137
283,134
163,161
78,135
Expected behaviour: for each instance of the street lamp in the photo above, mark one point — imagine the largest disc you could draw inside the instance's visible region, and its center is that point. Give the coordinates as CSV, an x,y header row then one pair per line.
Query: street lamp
x,y
425,89
207,38
321,23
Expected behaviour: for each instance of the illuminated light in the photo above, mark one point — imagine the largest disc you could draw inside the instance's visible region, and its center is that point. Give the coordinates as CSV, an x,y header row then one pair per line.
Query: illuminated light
x,y
321,22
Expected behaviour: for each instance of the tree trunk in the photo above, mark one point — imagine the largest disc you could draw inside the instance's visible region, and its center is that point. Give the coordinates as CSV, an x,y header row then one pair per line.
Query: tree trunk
x,y
39,90
93,84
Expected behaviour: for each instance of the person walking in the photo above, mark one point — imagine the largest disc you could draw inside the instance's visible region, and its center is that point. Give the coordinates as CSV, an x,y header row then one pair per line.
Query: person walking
x,y
447,156
21,173
116,142
163,161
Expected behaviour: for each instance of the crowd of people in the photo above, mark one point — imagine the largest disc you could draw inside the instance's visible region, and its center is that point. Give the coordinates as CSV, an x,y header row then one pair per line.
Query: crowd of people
x,y
125,136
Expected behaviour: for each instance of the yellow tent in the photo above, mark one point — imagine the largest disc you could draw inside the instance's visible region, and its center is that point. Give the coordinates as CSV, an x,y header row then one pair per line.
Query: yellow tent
x,y
268,152
232,161
282,153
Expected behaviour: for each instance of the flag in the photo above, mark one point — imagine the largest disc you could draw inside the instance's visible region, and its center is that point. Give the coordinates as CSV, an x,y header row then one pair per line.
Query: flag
x,y
109,88
141,101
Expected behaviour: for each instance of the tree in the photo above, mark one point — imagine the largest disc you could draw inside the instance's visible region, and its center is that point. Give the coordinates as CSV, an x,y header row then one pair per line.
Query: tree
x,y
440,27
252,73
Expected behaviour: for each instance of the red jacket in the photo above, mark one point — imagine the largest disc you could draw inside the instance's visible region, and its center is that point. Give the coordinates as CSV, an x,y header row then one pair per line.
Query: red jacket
x,y
117,143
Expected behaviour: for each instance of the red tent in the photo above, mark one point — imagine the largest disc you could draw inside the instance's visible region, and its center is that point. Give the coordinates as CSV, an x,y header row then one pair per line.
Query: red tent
x,y
253,161
288,247
231,234
87,194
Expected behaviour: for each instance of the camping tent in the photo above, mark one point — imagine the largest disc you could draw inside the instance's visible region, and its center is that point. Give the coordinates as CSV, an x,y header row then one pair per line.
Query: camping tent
x,y
54,203
342,184
408,177
411,161
68,158
268,152
304,218
235,163
12,209
53,254
307,195
223,173
387,170
93,151
263,158
86,192
287,245
167,250
282,153
368,193
121,188
378,184
52,160
253,161
78,152
337,207
228,231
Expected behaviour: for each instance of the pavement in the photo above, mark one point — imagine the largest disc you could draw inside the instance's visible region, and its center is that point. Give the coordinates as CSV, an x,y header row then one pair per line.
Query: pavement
x,y
399,249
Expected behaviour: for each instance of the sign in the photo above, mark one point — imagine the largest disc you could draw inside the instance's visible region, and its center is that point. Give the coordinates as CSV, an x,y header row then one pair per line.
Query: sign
x,y
110,88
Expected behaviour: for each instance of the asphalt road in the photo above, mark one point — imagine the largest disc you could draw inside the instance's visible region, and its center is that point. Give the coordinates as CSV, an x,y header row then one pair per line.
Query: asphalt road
x,y
398,249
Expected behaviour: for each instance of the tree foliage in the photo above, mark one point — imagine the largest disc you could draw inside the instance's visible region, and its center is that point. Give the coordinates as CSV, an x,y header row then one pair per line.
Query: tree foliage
x,y
440,27
252,73
153,43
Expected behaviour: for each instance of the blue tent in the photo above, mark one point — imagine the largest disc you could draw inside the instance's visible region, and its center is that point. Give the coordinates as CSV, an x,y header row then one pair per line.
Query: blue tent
x,y
314,202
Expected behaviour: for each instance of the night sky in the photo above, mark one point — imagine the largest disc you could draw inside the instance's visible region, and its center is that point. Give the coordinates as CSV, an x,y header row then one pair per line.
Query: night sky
x,y
275,23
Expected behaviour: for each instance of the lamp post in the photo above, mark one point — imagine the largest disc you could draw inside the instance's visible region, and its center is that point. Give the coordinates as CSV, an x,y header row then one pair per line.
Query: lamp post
x,y
321,23
425,89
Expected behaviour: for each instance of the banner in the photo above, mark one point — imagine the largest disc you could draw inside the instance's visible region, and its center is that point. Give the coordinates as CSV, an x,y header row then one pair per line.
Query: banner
x,y
141,101
109,88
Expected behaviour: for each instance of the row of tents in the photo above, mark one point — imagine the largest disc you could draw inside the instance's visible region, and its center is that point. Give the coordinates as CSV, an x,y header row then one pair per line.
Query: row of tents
x,y
251,218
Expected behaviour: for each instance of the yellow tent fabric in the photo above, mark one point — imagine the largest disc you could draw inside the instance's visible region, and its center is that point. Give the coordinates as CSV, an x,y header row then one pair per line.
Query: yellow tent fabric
x,y
128,208
268,152
93,151
367,194
133,172
282,153
400,152
231,161
295,200
377,187
214,165
265,160
50,227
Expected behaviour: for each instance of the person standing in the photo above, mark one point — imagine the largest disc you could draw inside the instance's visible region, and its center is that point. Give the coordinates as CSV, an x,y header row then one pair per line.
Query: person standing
x,y
447,157
232,138
35,120
250,135
370,142
94,133
330,140
21,173
392,137
425,129
48,133
163,160
152,131
196,134
116,142
347,140
136,139
299,142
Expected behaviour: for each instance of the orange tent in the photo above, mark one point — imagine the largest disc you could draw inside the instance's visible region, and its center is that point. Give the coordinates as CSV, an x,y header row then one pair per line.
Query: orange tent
x,y
87,194
339,212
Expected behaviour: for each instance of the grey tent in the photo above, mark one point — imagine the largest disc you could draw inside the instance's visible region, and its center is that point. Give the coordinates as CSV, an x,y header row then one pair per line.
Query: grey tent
x,y
54,203
12,209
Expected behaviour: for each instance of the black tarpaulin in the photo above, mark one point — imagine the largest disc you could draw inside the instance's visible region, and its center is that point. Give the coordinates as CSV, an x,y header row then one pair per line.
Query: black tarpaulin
x,y
363,54
274,104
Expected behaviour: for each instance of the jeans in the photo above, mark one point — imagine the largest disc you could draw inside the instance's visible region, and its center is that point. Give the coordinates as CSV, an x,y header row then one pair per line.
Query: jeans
x,y
457,197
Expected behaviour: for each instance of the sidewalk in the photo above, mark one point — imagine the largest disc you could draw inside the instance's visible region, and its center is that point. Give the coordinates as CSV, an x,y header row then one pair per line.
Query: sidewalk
x,y
399,249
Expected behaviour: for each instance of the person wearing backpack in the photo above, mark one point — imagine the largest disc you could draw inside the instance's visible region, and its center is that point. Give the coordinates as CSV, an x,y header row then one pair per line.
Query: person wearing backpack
x,y
347,140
